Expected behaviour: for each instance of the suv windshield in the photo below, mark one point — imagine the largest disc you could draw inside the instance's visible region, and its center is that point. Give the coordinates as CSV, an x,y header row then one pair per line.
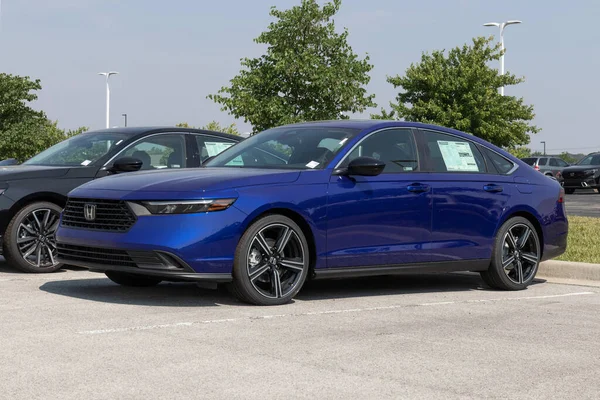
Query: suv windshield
x,y
295,148
592,159
83,149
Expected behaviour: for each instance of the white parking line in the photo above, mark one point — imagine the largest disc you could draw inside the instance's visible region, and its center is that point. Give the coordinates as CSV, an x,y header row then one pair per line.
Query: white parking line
x,y
326,312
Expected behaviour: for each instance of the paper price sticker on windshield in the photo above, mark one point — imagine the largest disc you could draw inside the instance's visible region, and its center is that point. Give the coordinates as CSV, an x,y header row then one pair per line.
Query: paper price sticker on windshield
x,y
214,148
458,156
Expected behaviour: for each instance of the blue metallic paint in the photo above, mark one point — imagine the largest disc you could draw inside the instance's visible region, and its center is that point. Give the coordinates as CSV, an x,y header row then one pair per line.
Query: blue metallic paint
x,y
354,222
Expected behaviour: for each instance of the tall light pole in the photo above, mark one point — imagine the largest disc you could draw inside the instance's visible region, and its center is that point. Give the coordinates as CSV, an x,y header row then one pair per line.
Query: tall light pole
x,y
544,143
502,25
125,116
107,75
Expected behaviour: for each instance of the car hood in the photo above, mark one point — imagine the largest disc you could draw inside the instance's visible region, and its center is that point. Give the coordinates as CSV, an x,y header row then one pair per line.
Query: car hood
x,y
577,168
189,180
16,172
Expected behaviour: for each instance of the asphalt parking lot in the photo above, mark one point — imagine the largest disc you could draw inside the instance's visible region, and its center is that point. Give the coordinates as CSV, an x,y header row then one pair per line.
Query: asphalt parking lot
x,y
585,203
74,335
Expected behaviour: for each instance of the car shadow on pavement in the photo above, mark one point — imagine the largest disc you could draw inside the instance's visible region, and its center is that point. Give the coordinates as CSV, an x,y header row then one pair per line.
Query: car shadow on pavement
x,y
169,294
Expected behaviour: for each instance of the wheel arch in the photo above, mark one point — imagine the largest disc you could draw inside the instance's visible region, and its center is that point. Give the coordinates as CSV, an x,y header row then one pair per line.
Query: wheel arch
x,y
298,218
51,197
529,215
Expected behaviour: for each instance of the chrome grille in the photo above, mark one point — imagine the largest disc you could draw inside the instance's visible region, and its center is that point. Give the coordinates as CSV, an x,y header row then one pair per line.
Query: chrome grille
x,y
108,215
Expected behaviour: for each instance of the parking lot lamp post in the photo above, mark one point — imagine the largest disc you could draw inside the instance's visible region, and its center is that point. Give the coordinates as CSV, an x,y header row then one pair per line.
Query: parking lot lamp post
x,y
544,143
502,25
107,75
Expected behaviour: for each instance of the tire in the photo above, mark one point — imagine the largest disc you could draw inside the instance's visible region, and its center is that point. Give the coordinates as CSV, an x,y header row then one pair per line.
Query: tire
x,y
569,191
264,276
132,280
526,253
30,242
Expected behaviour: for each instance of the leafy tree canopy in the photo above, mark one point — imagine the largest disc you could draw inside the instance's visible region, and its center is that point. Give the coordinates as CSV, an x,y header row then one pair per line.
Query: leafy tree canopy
x,y
460,90
309,72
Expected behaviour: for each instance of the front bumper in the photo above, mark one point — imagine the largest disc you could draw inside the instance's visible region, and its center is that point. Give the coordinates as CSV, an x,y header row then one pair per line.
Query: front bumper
x,y
590,182
178,247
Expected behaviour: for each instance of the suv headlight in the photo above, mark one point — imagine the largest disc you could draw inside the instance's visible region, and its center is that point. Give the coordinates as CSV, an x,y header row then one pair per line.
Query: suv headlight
x,y
180,207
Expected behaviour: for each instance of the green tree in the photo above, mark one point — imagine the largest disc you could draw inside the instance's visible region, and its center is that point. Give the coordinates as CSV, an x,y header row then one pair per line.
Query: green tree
x,y
16,92
460,90
520,151
308,72
568,158
214,126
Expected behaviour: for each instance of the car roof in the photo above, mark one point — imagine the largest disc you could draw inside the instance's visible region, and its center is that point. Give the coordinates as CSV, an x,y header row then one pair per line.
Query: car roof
x,y
145,130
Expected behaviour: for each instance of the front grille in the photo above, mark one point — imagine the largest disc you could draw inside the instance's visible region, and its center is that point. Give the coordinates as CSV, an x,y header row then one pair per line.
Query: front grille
x,y
578,174
95,255
109,215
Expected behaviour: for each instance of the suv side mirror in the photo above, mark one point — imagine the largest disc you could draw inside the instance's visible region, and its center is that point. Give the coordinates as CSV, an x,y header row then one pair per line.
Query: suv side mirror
x,y
126,164
362,166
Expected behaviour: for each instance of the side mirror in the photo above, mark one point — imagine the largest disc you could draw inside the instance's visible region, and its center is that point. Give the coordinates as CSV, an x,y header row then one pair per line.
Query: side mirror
x,y
363,166
126,164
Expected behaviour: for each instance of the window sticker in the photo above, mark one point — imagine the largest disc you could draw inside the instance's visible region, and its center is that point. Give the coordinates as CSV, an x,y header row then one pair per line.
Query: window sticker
x,y
458,156
238,161
214,148
85,163
312,164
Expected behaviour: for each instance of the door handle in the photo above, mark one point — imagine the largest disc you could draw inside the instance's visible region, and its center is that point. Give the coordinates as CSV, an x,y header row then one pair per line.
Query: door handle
x,y
492,188
417,188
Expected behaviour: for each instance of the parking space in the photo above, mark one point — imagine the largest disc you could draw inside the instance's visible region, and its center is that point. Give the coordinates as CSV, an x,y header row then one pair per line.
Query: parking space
x,y
74,335
584,203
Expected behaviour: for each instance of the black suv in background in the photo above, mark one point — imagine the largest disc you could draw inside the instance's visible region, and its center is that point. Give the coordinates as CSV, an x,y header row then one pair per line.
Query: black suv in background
x,y
583,175
33,194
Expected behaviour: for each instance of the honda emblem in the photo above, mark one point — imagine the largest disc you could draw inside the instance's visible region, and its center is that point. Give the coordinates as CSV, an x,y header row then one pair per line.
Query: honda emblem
x,y
89,212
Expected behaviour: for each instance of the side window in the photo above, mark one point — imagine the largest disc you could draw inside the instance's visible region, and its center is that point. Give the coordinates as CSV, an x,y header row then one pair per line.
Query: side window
x,y
542,161
553,162
447,153
395,147
159,151
501,164
210,146
561,163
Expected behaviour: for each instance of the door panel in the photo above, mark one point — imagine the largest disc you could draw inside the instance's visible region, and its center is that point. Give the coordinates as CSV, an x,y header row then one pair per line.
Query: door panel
x,y
377,221
384,219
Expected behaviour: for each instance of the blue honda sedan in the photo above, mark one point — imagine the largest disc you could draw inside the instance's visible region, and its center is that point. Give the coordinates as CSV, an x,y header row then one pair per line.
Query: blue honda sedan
x,y
318,200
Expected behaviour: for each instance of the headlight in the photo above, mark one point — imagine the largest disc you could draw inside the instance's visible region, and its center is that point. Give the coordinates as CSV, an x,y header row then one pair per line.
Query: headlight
x,y
180,207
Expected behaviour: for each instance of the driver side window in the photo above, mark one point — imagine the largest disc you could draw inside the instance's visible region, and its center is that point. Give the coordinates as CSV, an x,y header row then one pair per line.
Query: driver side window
x,y
159,151
395,147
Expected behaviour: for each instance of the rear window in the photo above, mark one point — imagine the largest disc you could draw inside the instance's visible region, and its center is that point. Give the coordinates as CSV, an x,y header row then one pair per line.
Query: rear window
x,y
529,161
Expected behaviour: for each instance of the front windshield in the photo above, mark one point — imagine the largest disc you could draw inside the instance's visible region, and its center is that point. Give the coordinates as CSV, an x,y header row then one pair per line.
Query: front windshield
x,y
304,147
593,159
83,149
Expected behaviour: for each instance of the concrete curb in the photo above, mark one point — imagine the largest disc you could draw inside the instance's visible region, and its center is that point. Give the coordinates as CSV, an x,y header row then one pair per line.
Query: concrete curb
x,y
569,271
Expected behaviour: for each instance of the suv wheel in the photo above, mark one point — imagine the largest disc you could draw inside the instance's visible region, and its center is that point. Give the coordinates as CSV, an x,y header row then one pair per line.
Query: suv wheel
x,y
30,241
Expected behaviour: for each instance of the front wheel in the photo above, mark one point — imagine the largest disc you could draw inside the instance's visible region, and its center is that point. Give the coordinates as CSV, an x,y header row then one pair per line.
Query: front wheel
x,y
30,241
516,256
132,280
271,262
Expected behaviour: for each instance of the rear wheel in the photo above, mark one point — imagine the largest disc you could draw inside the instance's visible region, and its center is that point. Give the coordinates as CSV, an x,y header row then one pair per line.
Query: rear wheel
x,y
569,191
271,262
132,280
30,239
516,256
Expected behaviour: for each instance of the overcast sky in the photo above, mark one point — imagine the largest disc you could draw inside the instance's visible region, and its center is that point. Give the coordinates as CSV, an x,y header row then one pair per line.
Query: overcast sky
x,y
171,54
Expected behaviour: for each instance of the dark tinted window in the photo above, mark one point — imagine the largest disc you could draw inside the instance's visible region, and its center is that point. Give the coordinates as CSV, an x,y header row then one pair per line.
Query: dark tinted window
x,y
501,164
395,147
592,159
543,161
447,153
553,162
529,161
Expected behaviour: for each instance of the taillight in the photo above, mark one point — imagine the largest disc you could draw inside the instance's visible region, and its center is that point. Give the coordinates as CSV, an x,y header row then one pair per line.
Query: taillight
x,y
558,174
536,167
561,195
